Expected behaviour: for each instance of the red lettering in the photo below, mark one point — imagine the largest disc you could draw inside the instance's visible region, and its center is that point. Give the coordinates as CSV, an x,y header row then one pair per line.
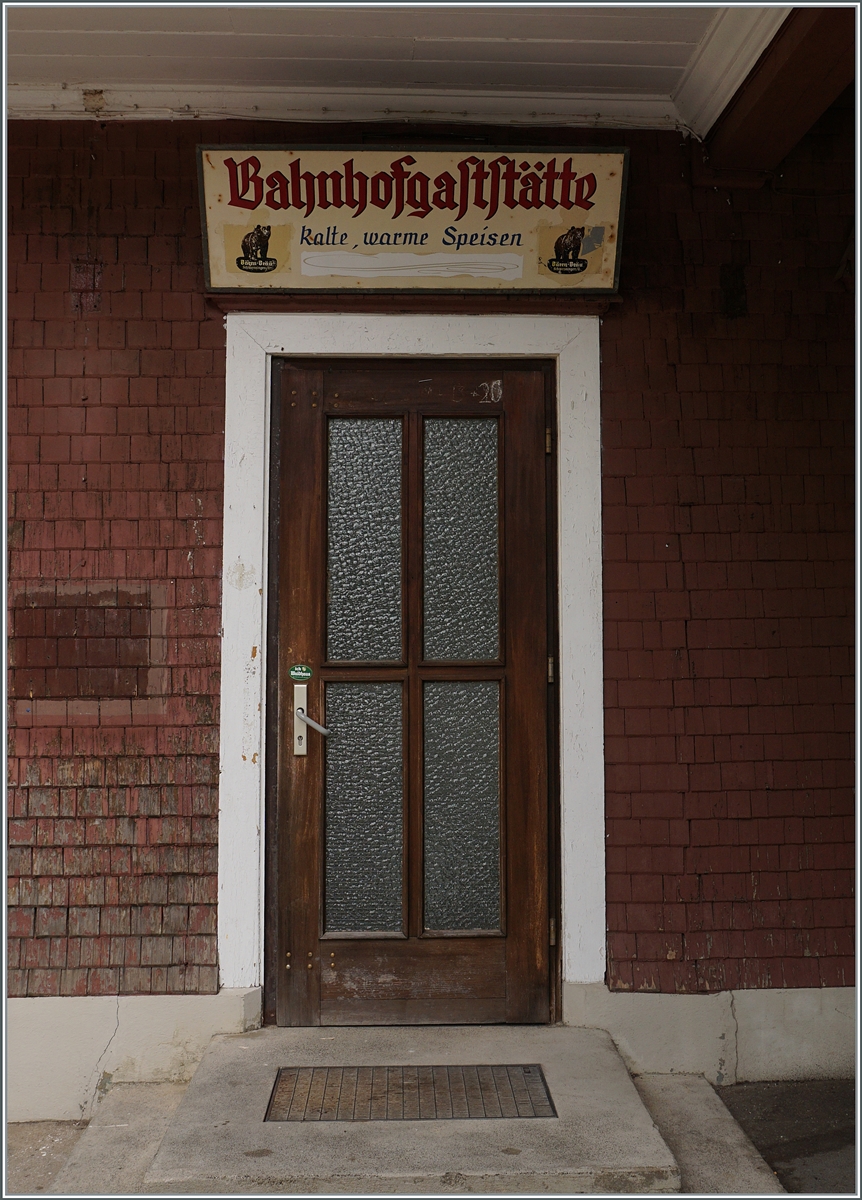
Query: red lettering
x,y
381,189
464,184
551,176
479,177
355,181
242,176
510,178
495,166
334,178
297,179
582,195
333,189
567,178
531,186
400,175
277,196
444,197
417,194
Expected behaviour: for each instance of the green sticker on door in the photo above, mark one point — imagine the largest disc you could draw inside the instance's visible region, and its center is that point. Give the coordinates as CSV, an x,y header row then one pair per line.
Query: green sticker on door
x,y
300,672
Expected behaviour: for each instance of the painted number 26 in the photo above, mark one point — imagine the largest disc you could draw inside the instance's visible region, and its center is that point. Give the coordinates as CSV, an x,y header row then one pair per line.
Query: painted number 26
x,y
492,393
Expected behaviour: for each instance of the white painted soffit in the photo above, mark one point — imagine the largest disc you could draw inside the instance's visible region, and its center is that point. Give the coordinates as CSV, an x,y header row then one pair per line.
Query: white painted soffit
x,y
566,64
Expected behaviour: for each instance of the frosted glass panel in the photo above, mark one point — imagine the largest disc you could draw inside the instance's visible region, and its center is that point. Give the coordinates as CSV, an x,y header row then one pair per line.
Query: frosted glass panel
x,y
461,570
364,540
462,805
364,813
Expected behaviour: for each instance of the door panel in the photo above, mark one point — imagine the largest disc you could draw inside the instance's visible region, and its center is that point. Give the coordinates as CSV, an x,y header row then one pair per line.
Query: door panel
x,y
412,851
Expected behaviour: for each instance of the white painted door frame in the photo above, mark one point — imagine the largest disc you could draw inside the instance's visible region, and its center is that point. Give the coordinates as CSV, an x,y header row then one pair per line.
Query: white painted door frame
x,y
252,340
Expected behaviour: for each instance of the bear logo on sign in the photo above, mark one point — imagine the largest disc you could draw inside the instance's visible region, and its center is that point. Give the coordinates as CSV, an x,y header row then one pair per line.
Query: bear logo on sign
x,y
255,250
567,249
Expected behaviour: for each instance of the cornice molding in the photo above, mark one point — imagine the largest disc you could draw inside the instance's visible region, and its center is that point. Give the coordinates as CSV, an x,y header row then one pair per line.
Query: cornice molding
x,y
160,102
717,69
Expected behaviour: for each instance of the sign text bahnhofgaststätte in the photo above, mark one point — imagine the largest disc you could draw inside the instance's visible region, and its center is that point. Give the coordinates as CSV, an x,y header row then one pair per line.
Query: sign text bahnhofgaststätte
x,y
292,219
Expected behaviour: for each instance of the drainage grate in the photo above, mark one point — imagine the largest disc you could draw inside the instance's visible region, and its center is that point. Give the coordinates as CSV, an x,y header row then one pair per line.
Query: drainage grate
x,y
409,1093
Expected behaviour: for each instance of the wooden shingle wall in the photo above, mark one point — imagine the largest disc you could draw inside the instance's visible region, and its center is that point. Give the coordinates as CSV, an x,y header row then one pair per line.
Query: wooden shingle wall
x,y
728,487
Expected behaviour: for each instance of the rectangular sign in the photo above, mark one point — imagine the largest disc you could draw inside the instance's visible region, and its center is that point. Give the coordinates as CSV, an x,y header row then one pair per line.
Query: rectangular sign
x,y
279,219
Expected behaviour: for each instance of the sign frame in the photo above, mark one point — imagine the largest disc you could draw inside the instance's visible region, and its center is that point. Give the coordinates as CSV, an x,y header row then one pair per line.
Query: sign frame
x,y
408,148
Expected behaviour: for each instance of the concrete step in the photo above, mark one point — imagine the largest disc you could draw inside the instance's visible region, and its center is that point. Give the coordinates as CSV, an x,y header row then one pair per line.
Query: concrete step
x,y
119,1144
715,1156
602,1141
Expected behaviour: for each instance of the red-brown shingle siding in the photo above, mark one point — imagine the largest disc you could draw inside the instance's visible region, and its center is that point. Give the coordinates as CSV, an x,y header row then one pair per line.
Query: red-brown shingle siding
x,y
727,477
728,575
117,410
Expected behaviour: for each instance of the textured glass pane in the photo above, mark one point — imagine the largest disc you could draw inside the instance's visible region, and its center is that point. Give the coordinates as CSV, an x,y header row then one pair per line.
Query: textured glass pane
x,y
363,807
364,609
462,805
461,571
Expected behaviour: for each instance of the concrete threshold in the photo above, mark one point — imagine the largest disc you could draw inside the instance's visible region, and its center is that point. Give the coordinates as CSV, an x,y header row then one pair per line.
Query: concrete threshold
x,y
602,1141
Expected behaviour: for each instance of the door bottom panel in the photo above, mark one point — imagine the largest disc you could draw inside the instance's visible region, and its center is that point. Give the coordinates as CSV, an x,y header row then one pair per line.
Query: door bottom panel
x,y
413,1012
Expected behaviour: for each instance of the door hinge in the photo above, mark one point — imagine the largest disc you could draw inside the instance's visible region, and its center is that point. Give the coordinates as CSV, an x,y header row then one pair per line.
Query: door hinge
x,y
547,441
552,931
550,670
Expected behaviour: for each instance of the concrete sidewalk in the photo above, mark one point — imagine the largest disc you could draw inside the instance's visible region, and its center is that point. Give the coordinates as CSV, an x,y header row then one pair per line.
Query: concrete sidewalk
x,y
663,1133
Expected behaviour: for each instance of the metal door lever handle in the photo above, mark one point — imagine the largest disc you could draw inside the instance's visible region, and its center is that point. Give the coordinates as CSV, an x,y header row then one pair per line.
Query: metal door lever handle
x,y
300,712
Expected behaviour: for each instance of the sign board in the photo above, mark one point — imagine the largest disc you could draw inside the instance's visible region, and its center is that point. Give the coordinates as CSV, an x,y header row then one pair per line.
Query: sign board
x,y
278,219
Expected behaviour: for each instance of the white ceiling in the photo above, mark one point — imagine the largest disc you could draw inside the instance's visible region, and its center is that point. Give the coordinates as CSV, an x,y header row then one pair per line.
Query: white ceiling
x,y
569,63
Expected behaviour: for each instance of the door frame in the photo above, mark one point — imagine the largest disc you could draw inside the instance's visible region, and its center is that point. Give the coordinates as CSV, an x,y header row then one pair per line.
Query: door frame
x,y
253,339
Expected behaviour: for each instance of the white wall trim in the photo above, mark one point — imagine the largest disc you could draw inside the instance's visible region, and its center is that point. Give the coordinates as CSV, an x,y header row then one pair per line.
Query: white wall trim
x,y
160,102
729,49
252,339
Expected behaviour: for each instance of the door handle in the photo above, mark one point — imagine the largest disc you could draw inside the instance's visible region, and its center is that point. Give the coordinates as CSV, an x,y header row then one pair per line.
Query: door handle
x,y
301,720
301,713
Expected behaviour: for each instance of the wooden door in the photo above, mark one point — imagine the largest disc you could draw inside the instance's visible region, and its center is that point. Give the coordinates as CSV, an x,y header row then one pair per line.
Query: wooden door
x,y
411,846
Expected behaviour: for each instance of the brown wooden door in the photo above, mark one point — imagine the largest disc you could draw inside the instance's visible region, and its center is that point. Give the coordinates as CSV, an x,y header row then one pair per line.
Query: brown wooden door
x,y
412,842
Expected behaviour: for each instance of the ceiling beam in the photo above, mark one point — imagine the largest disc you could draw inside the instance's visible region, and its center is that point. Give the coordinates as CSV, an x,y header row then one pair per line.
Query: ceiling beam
x,y
805,68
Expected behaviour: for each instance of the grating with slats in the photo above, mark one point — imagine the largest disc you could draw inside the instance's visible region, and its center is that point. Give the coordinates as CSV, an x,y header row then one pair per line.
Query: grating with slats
x,y
409,1093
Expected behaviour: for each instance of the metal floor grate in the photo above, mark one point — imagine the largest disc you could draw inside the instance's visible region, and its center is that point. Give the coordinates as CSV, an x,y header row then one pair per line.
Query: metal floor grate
x,y
409,1093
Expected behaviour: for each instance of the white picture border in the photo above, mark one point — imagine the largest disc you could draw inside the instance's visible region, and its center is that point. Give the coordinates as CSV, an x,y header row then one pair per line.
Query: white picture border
x,y
252,340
